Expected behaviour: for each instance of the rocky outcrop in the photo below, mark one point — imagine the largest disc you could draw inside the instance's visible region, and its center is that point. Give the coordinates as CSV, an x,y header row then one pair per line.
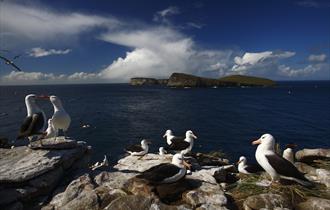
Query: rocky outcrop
x,y
186,80
138,81
266,201
28,175
308,155
314,203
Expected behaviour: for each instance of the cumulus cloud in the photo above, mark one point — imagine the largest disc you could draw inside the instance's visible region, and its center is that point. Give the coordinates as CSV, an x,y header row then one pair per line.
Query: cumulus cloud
x,y
23,78
304,72
163,15
253,61
158,52
40,52
317,58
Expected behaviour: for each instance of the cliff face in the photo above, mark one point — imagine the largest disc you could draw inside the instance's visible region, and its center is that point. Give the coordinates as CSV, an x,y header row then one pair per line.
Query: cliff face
x,y
186,80
137,81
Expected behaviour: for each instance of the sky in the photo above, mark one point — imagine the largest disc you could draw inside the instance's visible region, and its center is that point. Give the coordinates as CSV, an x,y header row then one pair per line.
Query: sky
x,y
111,41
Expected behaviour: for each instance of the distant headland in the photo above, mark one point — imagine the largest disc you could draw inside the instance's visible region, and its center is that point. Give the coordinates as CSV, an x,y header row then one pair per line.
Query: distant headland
x,y
187,80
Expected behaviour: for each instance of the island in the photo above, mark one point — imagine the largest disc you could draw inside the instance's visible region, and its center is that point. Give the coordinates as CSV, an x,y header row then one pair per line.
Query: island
x,y
187,80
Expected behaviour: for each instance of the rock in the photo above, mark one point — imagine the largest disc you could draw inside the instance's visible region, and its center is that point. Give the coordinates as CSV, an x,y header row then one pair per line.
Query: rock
x,y
140,164
137,81
323,176
52,143
107,195
22,163
314,203
8,196
113,179
162,81
317,175
210,159
308,155
15,206
243,80
266,201
131,202
211,207
305,168
186,80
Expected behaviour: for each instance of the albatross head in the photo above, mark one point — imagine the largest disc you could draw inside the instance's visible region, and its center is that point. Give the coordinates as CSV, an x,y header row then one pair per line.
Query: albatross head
x,y
145,142
267,141
31,105
168,133
179,161
242,159
55,101
190,135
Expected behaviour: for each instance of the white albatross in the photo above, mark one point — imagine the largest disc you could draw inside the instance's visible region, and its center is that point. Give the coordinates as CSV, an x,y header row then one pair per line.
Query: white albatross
x,y
139,149
245,168
61,119
288,153
276,166
166,173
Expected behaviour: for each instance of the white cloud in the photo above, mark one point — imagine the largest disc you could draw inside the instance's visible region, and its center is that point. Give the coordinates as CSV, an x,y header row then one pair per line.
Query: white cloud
x,y
40,52
304,72
313,4
317,58
253,61
162,16
22,24
23,78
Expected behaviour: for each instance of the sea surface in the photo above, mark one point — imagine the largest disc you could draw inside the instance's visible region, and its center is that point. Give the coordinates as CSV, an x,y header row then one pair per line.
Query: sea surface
x,y
225,119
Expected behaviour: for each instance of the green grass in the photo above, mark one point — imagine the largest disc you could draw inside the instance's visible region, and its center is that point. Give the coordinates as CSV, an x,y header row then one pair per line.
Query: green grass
x,y
248,80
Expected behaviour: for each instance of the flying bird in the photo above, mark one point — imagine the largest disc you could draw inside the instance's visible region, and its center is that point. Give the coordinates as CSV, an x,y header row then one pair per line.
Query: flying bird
x,y
34,124
138,149
275,165
166,173
245,168
9,62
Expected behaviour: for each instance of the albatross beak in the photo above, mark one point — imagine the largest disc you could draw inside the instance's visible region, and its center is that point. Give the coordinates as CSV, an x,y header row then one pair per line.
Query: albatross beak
x,y
238,162
193,135
186,164
255,142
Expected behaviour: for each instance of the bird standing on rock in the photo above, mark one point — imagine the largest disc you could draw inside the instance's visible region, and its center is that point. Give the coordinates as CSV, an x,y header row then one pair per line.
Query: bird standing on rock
x,y
275,165
138,149
34,124
184,146
61,119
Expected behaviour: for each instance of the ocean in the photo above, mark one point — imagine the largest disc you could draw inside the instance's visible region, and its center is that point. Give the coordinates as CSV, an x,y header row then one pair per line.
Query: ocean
x,y
225,119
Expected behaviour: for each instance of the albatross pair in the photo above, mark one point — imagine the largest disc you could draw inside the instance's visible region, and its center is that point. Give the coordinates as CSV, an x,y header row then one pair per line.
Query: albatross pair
x,y
180,144
35,122
275,165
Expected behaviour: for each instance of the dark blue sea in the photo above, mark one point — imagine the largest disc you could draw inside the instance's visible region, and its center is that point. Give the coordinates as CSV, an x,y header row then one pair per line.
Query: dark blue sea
x,y
225,119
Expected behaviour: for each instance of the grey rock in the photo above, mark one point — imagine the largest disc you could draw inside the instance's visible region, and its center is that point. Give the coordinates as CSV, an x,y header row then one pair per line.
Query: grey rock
x,y
308,155
113,179
140,164
22,163
266,201
54,143
314,203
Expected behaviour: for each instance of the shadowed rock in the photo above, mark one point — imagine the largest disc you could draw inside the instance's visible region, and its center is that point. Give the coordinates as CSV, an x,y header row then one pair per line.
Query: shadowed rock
x,y
308,155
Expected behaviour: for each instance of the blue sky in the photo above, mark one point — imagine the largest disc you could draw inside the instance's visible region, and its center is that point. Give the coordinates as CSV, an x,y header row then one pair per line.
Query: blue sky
x,y
112,41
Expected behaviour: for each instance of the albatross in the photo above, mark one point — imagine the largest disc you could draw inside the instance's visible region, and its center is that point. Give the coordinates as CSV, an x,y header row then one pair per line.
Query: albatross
x,y
275,165
184,146
50,131
170,138
34,123
9,62
166,173
245,168
61,119
288,152
139,149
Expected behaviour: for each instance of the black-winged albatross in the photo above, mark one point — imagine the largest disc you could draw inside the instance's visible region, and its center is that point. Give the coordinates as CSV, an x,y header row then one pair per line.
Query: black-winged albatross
x,y
170,138
288,152
183,146
245,168
166,173
275,165
50,131
61,120
34,123
9,62
138,149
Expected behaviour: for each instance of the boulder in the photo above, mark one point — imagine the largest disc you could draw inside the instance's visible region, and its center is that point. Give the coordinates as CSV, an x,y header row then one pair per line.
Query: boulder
x,y
314,203
140,164
319,175
266,201
308,155
22,163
